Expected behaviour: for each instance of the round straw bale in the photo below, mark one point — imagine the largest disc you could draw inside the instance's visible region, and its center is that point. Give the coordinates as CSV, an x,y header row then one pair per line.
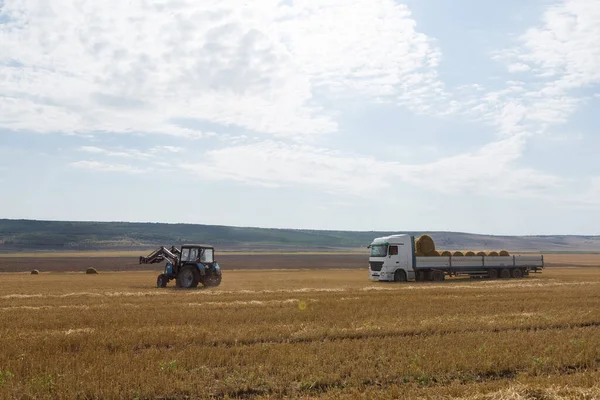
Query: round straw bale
x,y
493,254
504,253
446,253
481,253
458,254
470,253
433,254
35,272
91,270
419,254
425,244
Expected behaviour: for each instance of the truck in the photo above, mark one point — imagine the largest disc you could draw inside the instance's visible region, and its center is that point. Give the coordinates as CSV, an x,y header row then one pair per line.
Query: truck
x,y
392,258
189,266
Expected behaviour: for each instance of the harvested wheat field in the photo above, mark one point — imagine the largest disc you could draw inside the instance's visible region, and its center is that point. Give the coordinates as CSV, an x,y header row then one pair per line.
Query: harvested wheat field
x,y
300,334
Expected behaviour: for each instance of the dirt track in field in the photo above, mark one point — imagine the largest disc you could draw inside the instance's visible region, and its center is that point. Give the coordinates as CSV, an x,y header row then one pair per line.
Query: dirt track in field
x,y
226,261
241,261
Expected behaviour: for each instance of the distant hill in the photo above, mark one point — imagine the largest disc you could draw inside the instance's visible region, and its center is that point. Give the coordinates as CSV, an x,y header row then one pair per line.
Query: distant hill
x,y
64,235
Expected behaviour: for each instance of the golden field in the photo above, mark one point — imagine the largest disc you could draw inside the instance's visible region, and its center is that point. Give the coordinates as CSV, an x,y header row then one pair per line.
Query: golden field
x,y
328,334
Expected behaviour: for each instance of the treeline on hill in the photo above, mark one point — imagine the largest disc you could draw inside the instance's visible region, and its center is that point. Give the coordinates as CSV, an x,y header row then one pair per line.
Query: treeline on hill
x,y
65,235
29,234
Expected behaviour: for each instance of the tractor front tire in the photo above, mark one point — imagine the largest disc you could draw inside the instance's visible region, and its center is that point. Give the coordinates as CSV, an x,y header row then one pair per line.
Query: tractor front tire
x,y
162,281
187,278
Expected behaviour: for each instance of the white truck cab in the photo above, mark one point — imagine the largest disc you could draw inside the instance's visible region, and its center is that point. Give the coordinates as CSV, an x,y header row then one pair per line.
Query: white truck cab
x,y
391,258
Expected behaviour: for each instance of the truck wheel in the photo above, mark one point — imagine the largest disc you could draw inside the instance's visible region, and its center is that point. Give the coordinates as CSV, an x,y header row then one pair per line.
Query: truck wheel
x,y
161,281
437,276
493,273
420,276
517,273
505,273
399,276
187,278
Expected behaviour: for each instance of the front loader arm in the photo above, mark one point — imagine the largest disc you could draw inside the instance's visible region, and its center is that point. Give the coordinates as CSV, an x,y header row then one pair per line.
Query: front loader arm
x,y
159,255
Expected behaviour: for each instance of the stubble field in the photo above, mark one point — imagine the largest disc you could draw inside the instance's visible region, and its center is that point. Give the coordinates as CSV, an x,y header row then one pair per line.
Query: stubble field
x,y
326,333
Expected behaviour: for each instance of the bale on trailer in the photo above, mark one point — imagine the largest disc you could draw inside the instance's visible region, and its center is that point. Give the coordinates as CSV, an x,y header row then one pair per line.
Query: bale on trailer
x,y
425,244
493,254
481,253
434,253
470,253
446,253
458,254
504,253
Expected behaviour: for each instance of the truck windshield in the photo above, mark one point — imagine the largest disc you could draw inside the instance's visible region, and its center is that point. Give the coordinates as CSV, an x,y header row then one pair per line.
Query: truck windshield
x,y
379,250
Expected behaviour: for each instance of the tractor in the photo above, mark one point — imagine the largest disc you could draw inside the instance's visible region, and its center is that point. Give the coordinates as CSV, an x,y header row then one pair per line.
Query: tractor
x,y
189,266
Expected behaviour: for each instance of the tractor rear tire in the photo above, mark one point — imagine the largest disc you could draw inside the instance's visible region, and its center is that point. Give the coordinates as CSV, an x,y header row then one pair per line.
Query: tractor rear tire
x,y
161,281
212,280
188,278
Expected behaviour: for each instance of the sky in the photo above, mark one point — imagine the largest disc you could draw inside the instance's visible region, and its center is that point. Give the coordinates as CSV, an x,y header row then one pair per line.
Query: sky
x,y
429,115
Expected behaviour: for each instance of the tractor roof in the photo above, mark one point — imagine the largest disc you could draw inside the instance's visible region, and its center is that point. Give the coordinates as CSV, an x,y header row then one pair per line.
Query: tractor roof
x,y
199,245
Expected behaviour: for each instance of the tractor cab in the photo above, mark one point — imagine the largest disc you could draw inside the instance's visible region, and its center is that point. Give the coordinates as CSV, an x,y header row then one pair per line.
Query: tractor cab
x,y
197,253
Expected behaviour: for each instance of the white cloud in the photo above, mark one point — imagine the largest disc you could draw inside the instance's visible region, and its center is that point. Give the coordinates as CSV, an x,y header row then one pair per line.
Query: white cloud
x,y
106,167
565,46
274,164
86,66
489,171
518,67
560,55
132,153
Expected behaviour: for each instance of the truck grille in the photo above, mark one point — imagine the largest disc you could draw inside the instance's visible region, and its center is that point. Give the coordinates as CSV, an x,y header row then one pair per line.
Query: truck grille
x,y
375,266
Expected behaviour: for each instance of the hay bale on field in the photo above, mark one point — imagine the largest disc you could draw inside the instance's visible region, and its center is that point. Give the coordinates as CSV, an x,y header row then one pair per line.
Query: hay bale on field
x,y
35,272
469,253
504,253
425,244
493,254
91,270
481,253
446,253
458,254
433,254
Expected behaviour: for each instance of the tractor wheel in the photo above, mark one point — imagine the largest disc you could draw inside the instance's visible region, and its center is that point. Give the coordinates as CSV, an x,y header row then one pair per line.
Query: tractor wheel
x,y
505,273
517,273
212,279
161,281
493,273
399,276
187,278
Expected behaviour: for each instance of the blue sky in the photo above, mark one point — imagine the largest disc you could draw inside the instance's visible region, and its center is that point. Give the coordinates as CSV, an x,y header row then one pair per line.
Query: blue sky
x,y
363,115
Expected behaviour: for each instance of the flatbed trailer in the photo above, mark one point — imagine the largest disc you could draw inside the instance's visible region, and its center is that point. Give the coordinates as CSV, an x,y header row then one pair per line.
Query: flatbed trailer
x,y
393,258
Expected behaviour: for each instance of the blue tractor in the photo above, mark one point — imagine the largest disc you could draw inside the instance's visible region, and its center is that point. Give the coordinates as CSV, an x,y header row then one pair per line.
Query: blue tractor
x,y
189,266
